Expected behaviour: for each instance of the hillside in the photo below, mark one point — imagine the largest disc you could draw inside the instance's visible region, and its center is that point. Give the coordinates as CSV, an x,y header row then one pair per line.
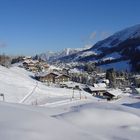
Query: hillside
x,y
122,48
37,111
83,121
18,86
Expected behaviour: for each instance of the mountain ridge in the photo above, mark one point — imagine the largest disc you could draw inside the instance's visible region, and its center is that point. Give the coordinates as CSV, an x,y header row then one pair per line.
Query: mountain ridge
x,y
125,44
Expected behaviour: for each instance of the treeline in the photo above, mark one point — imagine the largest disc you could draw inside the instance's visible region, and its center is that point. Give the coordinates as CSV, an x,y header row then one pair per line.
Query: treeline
x,y
5,60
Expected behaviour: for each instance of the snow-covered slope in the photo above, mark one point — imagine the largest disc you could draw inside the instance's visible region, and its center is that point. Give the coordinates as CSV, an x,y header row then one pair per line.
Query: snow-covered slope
x,y
86,121
18,86
112,41
28,123
57,116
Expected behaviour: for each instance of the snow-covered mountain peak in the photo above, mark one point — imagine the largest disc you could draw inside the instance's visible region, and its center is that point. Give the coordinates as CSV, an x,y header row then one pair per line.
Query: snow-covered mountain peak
x,y
130,32
112,41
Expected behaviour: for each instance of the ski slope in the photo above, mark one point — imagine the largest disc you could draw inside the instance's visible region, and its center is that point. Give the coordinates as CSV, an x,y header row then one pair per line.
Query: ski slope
x,y
78,121
18,86
57,116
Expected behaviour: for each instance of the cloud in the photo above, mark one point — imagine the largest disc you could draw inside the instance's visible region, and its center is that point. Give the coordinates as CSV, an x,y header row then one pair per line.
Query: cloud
x,y
87,46
93,35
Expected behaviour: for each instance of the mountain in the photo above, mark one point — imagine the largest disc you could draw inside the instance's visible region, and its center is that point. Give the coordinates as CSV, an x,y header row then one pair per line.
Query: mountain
x,y
121,50
54,56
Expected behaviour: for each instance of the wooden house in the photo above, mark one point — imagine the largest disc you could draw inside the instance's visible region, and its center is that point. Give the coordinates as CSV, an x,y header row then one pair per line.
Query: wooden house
x,y
48,77
95,91
43,66
62,78
103,92
112,94
52,77
31,65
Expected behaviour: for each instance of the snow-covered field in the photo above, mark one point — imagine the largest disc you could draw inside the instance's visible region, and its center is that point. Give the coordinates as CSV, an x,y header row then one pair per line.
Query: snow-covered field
x,y
59,117
18,86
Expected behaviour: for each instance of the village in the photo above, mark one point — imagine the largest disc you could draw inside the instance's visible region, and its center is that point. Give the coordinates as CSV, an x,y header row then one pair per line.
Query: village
x,y
109,85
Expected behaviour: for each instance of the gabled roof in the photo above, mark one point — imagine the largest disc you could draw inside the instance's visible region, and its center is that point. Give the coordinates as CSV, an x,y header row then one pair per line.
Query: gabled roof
x,y
31,61
138,90
43,74
97,88
115,92
100,85
62,75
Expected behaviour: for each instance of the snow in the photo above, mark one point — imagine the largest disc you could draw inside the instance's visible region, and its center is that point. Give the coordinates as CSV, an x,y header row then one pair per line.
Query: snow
x,y
115,92
138,90
131,32
111,56
57,116
74,70
52,67
97,88
17,84
50,56
86,121
87,53
100,85
34,123
104,122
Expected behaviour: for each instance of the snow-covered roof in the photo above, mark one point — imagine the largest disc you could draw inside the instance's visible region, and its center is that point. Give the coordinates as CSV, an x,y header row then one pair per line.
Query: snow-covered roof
x,y
101,74
97,88
115,92
42,74
74,84
31,61
136,76
138,90
62,75
52,67
100,85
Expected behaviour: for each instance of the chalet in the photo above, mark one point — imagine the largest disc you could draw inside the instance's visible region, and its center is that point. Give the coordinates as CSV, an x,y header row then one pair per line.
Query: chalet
x,y
43,66
95,91
47,77
27,58
62,78
112,94
103,92
27,63
35,65
31,65
52,77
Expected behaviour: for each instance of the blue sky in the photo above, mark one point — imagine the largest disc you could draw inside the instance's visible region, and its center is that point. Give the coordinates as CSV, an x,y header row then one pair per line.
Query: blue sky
x,y
33,26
